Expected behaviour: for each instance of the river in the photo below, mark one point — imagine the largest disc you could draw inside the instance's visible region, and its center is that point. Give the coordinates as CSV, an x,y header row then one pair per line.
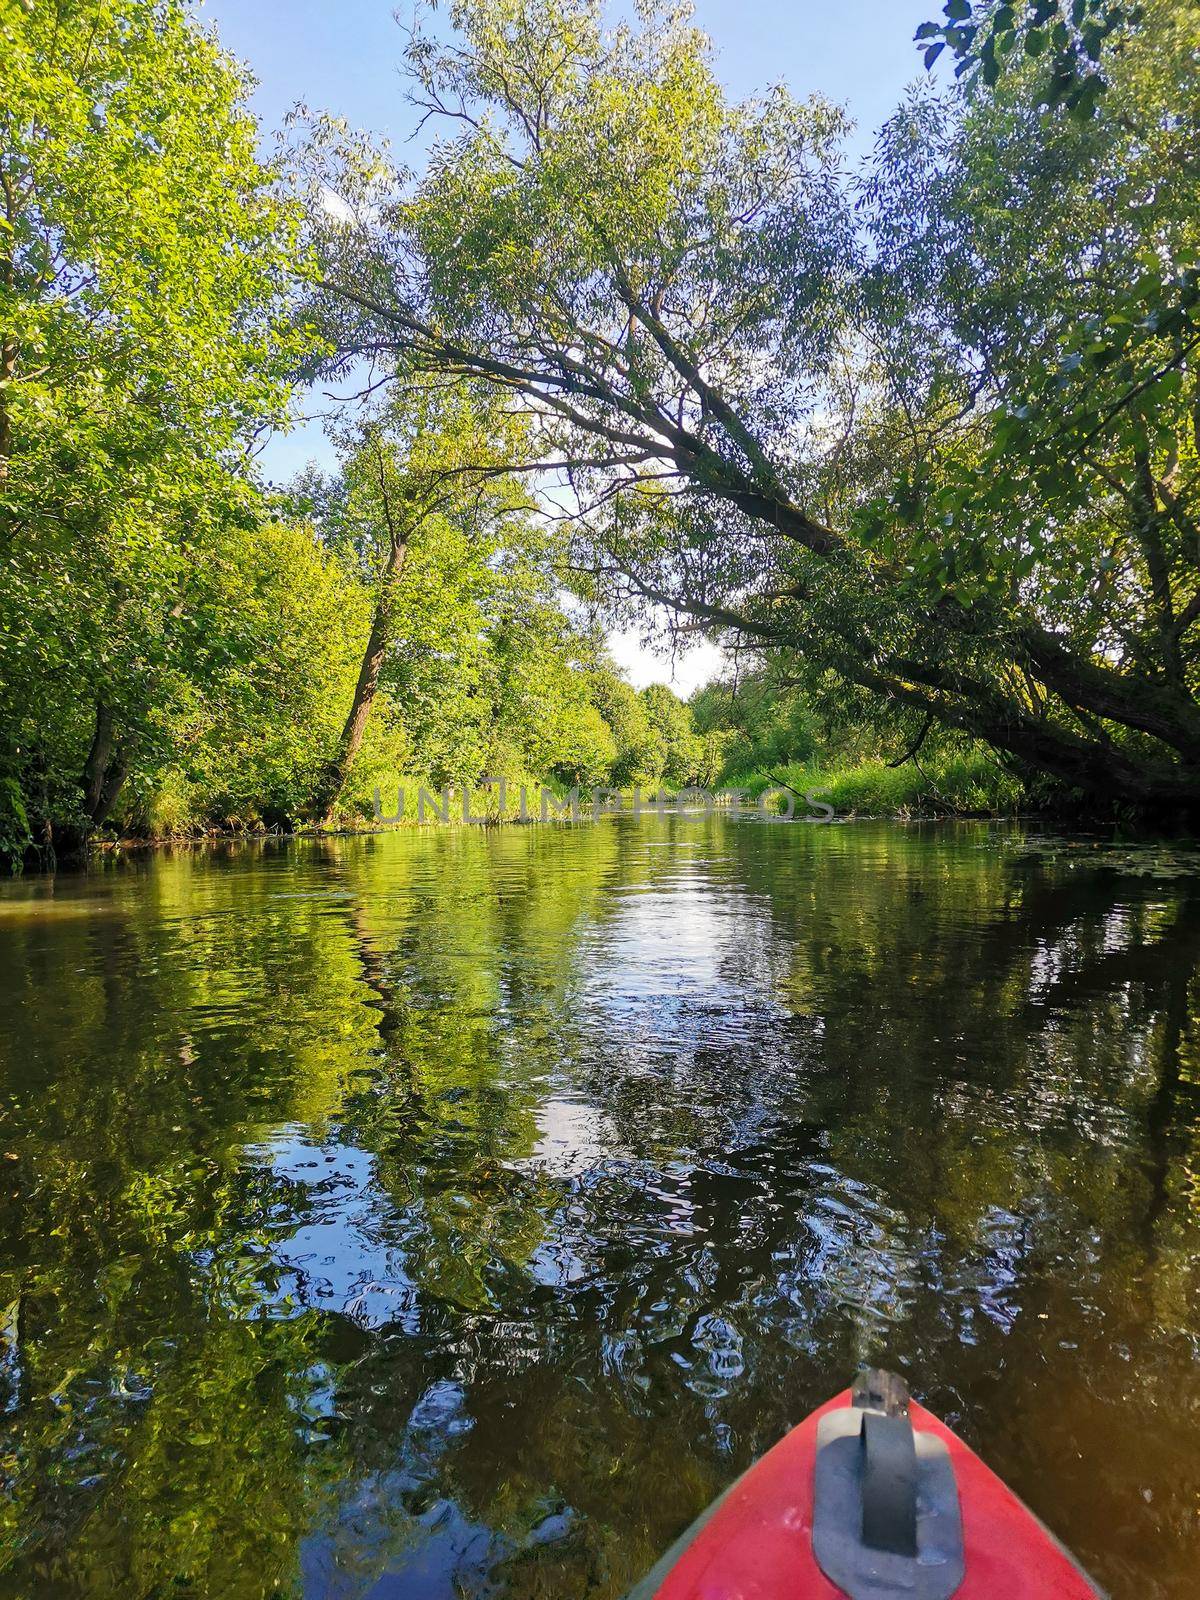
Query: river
x,y
450,1215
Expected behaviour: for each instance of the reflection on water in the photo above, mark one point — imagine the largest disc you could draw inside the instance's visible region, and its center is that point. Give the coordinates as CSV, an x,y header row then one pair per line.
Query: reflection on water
x,y
453,1214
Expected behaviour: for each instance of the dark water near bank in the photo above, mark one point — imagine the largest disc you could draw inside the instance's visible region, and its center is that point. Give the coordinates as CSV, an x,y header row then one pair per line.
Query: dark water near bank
x,y
453,1214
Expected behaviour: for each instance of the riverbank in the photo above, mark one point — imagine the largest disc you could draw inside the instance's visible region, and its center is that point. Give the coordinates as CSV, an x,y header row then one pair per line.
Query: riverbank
x,y
968,785
962,786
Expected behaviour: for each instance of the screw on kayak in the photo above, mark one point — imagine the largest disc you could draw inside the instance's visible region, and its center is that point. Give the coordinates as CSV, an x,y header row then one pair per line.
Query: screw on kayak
x,y
870,1498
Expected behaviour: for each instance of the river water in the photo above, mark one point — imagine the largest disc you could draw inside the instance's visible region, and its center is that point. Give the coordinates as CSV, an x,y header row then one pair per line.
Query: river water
x,y
451,1215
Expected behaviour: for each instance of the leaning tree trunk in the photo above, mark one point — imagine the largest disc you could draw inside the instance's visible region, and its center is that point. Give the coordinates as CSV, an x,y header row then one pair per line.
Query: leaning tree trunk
x,y
333,774
114,782
105,770
95,767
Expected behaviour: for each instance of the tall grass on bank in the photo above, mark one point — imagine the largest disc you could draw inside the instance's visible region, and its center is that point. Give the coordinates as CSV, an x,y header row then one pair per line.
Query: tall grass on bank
x,y
959,785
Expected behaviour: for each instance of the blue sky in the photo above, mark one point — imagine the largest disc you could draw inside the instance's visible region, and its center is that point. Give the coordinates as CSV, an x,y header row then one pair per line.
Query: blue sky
x,y
344,56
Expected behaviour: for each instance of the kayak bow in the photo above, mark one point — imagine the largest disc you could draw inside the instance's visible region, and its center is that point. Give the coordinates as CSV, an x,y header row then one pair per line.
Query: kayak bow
x,y
870,1498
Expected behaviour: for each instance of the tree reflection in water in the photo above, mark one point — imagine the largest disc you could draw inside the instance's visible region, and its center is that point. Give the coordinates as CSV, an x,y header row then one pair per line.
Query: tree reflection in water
x,y
454,1213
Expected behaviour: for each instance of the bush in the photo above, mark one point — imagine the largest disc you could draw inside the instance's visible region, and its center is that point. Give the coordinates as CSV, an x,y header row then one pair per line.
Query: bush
x,y
15,837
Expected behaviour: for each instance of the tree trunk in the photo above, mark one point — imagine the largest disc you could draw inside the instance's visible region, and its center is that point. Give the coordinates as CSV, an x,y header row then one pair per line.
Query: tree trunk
x,y
114,782
8,367
8,343
95,767
105,770
333,776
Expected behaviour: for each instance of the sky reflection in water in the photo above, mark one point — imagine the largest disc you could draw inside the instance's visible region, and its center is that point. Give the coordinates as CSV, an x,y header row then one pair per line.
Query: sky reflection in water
x,y
454,1213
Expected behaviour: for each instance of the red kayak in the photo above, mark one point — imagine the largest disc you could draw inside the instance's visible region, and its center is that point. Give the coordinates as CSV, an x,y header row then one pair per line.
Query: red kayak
x,y
870,1498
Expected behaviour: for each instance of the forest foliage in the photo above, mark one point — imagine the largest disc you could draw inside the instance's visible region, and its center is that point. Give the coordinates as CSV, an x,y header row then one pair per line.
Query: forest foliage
x,y
180,641
916,439
928,424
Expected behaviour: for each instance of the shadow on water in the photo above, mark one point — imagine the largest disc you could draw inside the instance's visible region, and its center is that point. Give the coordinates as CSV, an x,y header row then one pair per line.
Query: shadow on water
x,y
453,1214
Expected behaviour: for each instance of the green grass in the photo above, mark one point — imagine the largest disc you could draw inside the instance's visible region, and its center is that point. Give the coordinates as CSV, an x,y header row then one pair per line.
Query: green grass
x,y
970,784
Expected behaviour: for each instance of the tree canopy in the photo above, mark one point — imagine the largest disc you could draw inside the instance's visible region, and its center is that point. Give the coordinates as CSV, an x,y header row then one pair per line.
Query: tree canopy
x,y
181,643
915,435
930,425
144,265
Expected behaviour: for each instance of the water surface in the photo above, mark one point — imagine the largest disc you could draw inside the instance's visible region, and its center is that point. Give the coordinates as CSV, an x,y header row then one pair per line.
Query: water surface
x,y
451,1215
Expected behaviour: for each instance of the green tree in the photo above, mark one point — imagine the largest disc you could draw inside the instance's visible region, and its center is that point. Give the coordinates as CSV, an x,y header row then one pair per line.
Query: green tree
x,y
249,743
764,723
942,445
671,721
144,268
983,34
434,455
469,653
638,756
542,705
